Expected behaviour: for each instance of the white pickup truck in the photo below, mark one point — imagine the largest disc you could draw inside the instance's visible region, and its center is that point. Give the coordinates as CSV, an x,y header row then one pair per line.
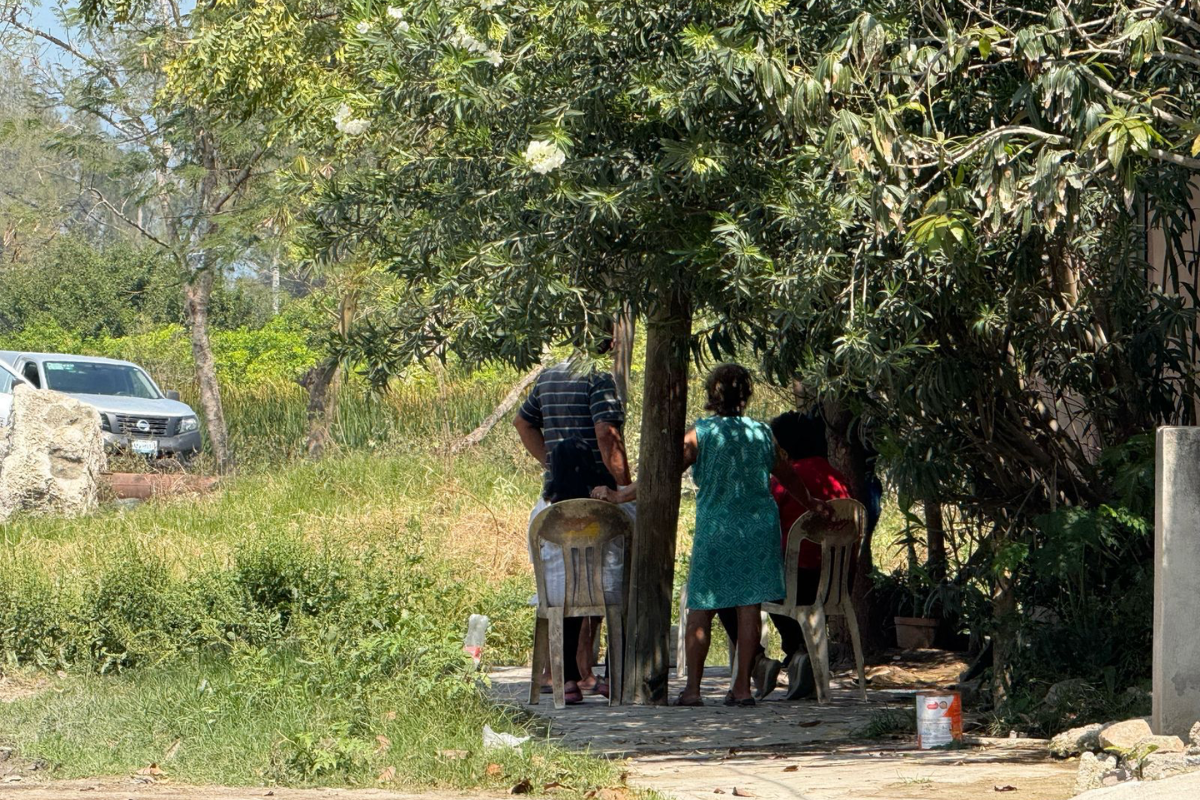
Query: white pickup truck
x,y
135,415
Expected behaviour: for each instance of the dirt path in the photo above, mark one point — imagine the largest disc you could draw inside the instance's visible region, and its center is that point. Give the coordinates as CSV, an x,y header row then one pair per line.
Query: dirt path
x,y
117,789
860,773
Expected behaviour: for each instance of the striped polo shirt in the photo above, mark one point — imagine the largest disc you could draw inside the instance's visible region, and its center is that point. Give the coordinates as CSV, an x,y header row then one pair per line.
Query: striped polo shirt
x,y
564,403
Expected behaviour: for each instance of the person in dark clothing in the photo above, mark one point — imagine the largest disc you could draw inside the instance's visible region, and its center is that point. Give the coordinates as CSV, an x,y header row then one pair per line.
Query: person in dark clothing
x,y
802,437
572,423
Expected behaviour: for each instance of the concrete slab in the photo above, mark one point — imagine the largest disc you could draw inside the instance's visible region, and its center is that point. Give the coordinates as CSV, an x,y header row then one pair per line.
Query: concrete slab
x,y
1176,667
1185,787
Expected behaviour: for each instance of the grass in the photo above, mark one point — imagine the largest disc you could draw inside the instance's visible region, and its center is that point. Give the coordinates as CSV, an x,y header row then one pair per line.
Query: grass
x,y
301,627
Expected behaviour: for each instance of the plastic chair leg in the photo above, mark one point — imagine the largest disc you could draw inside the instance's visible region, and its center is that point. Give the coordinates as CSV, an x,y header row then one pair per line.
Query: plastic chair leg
x,y
856,642
541,647
616,654
816,640
557,668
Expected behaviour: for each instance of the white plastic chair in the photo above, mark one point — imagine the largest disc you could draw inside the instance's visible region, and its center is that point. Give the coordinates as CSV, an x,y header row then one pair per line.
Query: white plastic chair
x,y
584,529
838,539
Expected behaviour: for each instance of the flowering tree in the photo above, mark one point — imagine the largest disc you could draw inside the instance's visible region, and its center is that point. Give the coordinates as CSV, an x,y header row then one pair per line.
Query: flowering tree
x,y
932,213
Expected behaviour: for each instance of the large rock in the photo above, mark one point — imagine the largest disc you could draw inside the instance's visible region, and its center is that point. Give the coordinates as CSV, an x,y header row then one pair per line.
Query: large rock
x,y
1125,736
1076,741
1093,771
1159,766
1163,744
52,457
1194,736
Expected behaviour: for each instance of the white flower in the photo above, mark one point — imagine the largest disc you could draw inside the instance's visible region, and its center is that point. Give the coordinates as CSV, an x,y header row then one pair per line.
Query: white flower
x,y
348,126
363,27
395,12
544,157
494,58
488,5
463,39
403,26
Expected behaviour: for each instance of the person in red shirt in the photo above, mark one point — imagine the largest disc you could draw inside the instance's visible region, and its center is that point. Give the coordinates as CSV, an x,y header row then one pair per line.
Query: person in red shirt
x,y
802,437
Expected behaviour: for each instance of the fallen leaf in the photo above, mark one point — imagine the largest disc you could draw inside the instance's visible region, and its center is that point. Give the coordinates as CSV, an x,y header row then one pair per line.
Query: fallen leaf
x,y
812,724
495,770
269,794
382,744
150,770
742,793
388,775
453,755
12,778
523,787
792,768
615,793
546,787
172,750
1006,788
389,716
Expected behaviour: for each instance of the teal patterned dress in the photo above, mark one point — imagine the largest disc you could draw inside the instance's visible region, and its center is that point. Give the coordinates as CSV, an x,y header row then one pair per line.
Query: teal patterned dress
x,y
736,558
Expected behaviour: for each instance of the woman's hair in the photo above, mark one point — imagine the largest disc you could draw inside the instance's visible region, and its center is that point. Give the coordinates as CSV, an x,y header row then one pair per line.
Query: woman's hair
x,y
729,388
574,472
801,435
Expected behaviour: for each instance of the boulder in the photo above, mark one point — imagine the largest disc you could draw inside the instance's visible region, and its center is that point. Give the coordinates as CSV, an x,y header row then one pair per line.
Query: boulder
x,y
1158,766
1162,744
1076,741
53,457
1194,736
1124,736
1093,771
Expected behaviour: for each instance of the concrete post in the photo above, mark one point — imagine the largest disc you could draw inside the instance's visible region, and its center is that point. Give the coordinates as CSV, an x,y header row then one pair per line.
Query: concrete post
x,y
1177,581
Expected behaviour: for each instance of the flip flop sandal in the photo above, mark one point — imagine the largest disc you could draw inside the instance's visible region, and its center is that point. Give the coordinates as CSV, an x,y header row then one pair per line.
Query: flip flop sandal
x,y
601,688
573,698
697,702
733,702
547,689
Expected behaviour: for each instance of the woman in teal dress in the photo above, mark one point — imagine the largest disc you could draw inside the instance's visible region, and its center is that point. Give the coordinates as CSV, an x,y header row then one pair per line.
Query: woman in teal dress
x,y
736,559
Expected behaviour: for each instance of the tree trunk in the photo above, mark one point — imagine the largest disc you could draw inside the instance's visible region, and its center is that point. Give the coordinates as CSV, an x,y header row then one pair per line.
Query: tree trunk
x,y
196,295
623,338
1006,624
848,455
510,400
660,468
935,533
321,383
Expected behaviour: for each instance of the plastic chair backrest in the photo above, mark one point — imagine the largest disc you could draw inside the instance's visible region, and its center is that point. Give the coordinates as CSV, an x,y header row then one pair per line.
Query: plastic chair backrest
x,y
838,540
583,529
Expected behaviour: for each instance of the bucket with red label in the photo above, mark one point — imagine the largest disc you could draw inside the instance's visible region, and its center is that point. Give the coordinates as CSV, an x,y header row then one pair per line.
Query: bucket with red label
x,y
939,719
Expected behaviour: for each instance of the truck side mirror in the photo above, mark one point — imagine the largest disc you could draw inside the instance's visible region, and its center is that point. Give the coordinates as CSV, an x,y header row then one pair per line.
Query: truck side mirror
x,y
171,394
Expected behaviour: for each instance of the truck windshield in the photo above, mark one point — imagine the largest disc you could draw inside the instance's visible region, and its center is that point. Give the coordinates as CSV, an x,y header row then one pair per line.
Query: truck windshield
x,y
84,377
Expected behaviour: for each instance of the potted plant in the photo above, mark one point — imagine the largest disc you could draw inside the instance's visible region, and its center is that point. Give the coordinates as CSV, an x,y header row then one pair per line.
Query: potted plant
x,y
915,630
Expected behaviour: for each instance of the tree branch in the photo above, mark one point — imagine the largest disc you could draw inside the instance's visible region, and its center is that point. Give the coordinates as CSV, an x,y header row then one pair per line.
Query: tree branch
x,y
121,215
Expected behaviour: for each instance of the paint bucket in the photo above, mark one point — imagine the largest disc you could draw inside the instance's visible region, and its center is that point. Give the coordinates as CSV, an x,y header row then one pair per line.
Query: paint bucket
x,y
939,719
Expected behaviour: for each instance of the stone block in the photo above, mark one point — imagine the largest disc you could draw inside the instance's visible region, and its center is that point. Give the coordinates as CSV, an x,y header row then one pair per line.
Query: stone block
x,y
1162,744
1176,651
1093,771
1158,766
1124,736
1076,741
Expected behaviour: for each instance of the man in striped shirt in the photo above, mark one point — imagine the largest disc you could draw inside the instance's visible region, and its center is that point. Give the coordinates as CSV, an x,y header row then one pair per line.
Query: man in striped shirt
x,y
575,401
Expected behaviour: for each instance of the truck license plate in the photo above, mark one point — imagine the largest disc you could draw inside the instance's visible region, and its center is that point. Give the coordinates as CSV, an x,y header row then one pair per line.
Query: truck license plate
x,y
145,447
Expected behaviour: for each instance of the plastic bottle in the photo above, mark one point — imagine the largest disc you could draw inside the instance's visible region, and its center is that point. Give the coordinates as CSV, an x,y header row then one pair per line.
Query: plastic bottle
x,y
477,627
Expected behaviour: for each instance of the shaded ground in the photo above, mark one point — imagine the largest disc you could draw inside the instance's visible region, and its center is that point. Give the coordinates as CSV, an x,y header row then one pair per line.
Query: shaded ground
x,y
801,750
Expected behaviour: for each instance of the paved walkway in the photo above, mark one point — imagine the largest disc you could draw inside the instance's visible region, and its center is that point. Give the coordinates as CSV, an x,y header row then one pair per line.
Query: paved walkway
x,y
792,751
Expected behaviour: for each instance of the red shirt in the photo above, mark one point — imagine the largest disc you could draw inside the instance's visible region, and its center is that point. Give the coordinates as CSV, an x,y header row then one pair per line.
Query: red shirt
x,y
823,483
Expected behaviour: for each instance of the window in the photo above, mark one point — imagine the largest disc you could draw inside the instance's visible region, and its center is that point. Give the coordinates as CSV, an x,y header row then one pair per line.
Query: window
x,y
87,377
6,381
31,374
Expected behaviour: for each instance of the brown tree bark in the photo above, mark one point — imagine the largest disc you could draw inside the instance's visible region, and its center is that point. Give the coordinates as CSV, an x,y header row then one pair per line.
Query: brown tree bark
x,y
935,540
623,338
196,294
507,404
660,468
321,383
